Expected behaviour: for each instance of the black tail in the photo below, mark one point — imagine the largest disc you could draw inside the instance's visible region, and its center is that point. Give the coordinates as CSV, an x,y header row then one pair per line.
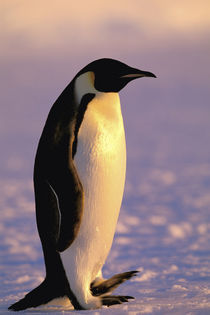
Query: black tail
x,y
44,293
109,285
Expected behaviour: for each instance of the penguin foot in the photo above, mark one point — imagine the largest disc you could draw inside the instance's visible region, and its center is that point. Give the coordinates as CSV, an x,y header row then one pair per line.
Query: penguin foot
x,y
115,299
109,285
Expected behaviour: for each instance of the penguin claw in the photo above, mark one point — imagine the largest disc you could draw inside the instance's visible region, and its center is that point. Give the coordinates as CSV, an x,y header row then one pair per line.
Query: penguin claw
x,y
111,284
115,299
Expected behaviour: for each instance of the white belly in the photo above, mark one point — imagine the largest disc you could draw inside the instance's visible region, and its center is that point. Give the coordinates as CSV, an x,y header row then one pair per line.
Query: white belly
x,y
101,164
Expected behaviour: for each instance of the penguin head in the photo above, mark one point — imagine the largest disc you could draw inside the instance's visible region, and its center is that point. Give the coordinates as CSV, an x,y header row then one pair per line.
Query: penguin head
x,y
112,75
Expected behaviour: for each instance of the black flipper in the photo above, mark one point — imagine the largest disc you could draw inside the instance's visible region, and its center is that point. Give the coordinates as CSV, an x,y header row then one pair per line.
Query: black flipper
x,y
111,284
70,198
54,165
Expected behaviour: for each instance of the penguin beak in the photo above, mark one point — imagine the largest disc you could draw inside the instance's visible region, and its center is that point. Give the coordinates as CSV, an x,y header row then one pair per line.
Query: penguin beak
x,y
136,73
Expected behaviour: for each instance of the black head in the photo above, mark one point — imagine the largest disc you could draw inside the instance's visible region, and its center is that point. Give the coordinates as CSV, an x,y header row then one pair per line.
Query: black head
x,y
112,75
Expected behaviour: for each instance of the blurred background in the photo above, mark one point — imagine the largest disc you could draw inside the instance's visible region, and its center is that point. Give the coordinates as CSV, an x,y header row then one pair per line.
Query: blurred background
x,y
164,222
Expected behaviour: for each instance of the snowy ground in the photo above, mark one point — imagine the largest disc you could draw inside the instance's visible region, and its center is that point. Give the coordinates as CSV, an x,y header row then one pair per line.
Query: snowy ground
x,y
163,228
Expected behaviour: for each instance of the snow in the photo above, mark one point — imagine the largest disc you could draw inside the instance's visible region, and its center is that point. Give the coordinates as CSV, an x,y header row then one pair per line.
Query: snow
x,y
163,231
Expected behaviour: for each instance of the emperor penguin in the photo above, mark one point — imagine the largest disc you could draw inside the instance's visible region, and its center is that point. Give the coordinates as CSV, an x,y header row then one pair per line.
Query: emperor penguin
x,y
79,177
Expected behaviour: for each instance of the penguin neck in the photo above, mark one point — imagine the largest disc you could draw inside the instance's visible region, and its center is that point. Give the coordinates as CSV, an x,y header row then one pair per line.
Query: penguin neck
x,y
106,104
84,84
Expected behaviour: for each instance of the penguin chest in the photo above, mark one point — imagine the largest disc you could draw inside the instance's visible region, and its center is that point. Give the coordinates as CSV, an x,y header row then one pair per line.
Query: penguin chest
x,y
100,161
